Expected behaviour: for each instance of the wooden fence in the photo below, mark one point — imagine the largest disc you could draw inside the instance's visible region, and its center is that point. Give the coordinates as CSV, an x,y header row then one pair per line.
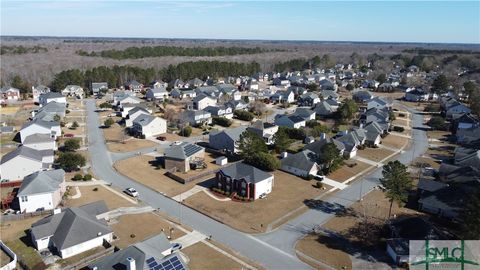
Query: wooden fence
x,y
10,184
25,215
185,180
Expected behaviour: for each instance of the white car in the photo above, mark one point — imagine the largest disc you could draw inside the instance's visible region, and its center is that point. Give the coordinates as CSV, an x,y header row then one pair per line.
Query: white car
x,y
132,192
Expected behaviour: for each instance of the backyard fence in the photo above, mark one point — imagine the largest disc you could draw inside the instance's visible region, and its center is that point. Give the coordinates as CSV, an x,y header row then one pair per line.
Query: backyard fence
x,y
25,215
87,260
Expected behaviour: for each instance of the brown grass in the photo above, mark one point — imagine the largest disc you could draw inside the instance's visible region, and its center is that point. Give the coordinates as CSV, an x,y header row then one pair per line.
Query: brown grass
x,y
323,251
112,200
375,154
143,226
204,257
4,258
139,169
130,145
10,230
393,141
114,133
345,172
289,193
400,122
77,131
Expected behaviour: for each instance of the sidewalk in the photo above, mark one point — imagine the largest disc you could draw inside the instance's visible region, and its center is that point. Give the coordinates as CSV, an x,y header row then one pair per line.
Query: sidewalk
x,y
368,161
125,211
334,183
191,239
182,196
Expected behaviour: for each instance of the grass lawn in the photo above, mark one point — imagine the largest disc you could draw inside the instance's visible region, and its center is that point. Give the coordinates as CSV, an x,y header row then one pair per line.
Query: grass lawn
x,y
438,134
77,131
375,154
7,138
139,169
130,145
345,172
432,162
143,226
400,122
111,199
394,141
4,258
25,252
9,109
255,216
323,249
115,133
11,230
209,160
172,137
204,257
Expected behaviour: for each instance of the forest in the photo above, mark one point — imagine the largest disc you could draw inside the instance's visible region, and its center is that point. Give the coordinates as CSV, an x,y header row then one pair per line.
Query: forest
x,y
21,49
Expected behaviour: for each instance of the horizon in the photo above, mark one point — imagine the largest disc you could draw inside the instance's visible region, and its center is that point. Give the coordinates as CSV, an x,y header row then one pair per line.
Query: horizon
x,y
444,22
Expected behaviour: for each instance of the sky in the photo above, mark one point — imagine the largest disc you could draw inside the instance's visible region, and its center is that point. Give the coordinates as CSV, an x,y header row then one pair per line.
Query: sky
x,y
384,21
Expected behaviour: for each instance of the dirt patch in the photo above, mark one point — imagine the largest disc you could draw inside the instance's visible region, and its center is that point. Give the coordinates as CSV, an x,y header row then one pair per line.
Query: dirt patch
x,y
204,257
324,249
112,200
374,154
130,145
141,226
347,170
289,193
393,141
140,169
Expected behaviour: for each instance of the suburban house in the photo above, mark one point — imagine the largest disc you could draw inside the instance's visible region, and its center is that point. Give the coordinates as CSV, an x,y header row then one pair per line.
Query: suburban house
x,y
73,230
361,95
23,161
416,95
128,100
237,104
177,83
381,117
9,94
178,93
38,126
48,112
379,103
305,113
202,101
303,163
327,84
156,94
196,118
308,99
283,97
40,142
73,91
468,135
148,125
134,86
456,108
210,91
42,190
179,157
265,130
463,121
98,86
370,84
351,140
291,121
324,109
220,111
317,146
244,180
43,99
134,113
152,253
119,95
158,84
226,139
374,134
196,82
329,94
127,107
38,90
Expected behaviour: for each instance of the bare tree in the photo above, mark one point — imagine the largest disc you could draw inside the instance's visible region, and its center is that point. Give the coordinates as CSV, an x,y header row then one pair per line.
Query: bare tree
x,y
259,107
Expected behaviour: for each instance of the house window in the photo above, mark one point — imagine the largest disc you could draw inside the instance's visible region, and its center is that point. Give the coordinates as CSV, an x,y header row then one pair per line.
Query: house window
x,y
24,198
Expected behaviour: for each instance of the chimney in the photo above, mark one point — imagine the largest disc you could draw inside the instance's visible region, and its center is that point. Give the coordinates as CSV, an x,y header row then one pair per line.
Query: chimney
x,y
131,263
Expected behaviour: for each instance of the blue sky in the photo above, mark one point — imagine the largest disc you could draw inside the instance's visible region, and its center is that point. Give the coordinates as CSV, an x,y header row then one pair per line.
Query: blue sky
x,y
390,21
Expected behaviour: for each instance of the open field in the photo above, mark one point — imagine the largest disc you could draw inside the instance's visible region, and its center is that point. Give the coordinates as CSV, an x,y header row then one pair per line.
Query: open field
x,y
393,141
255,216
141,226
111,199
375,154
345,172
204,257
139,169
323,249
130,145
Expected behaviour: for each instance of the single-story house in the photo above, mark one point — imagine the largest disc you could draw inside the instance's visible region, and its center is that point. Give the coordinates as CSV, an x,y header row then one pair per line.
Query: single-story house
x,y
265,130
23,161
178,157
244,180
317,146
291,121
226,139
38,126
73,230
41,190
302,164
148,125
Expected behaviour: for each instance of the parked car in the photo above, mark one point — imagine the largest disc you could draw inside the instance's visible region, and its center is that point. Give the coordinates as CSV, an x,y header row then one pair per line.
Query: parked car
x,y
176,246
68,135
318,177
132,192
161,138
262,196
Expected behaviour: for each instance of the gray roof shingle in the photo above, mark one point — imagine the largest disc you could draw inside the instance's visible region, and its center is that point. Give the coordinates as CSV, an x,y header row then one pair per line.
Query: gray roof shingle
x,y
244,171
41,182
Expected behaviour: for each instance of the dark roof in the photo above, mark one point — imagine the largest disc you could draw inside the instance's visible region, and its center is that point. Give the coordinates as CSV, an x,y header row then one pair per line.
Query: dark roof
x,y
430,185
412,228
183,151
244,171
303,160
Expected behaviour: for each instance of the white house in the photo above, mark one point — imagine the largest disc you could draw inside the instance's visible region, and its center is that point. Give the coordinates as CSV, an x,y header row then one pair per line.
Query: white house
x,y
40,142
148,125
23,161
127,107
128,100
202,101
73,230
379,103
220,111
244,180
43,99
265,130
41,190
291,121
156,94
38,90
134,113
305,113
416,95
301,164
73,91
39,126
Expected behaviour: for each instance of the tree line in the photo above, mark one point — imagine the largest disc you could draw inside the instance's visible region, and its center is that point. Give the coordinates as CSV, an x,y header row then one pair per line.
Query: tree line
x,y
116,76
158,51
21,49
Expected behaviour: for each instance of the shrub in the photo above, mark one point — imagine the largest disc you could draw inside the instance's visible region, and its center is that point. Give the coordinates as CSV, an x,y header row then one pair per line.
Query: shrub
x,y
221,121
308,177
264,161
70,161
108,122
186,131
74,125
437,122
77,177
294,133
71,145
87,177
398,129
243,115
95,189
319,184
67,111
105,105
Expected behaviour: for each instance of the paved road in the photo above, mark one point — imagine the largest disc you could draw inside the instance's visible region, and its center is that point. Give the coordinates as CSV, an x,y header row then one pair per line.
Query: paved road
x,y
274,250
247,245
